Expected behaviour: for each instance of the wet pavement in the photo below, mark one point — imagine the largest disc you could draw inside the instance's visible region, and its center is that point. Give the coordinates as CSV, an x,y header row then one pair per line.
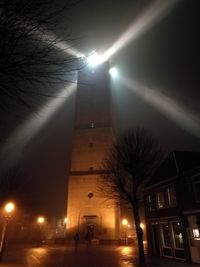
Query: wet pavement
x,y
92,256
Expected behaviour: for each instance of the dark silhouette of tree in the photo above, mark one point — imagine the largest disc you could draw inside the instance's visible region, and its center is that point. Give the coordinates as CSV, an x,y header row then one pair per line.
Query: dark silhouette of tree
x,y
131,161
31,58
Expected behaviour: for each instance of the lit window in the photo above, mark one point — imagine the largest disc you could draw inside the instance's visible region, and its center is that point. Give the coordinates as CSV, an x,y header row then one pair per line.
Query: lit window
x,y
196,234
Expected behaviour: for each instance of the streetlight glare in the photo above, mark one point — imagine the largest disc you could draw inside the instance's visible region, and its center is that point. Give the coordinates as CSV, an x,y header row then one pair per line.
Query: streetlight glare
x,y
113,72
142,226
9,207
40,219
94,59
124,222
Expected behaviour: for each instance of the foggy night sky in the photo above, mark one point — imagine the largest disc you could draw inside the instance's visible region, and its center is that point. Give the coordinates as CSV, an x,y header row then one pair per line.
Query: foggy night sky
x,y
164,58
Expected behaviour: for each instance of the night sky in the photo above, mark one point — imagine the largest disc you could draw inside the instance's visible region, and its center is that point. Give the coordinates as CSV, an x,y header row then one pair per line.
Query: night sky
x,y
164,59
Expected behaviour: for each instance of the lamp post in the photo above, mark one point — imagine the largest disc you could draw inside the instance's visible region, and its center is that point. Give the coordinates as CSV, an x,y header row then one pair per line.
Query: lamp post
x,y
8,210
125,225
40,221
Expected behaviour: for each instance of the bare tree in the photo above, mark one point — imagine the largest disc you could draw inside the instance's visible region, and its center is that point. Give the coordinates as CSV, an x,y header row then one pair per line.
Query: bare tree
x,y
132,160
31,58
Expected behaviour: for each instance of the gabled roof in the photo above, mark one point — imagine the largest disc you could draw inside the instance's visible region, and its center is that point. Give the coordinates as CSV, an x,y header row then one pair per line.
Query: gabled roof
x,y
174,163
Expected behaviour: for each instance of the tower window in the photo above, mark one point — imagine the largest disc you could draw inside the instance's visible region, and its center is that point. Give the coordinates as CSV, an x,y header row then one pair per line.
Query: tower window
x,y
90,195
91,145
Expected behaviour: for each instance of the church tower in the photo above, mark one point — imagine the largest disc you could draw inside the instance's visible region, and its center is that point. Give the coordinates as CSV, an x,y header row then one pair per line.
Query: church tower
x,y
87,211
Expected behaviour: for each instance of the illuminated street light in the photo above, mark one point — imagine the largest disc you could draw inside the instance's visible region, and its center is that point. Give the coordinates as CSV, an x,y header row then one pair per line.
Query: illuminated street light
x,y
113,72
142,226
8,209
125,225
40,220
124,222
65,220
94,59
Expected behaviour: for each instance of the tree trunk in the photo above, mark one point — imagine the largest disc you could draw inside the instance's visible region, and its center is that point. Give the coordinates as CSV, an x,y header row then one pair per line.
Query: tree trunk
x,y
139,233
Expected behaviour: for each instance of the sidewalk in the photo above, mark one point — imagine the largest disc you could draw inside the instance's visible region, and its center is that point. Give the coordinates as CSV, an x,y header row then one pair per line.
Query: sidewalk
x,y
164,262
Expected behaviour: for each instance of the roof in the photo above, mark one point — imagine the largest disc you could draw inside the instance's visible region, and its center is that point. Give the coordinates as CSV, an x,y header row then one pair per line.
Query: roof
x,y
174,163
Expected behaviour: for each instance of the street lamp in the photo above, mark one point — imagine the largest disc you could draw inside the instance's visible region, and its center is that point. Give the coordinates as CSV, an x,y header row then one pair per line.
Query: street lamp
x,y
8,210
94,59
125,225
40,221
114,72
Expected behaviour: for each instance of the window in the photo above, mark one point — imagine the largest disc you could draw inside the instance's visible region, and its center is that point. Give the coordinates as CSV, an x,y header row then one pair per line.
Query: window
x,y
151,202
171,197
178,238
165,233
91,145
90,195
196,186
196,234
160,199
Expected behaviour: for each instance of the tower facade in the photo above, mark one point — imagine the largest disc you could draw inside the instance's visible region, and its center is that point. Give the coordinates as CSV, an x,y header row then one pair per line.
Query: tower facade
x,y
87,210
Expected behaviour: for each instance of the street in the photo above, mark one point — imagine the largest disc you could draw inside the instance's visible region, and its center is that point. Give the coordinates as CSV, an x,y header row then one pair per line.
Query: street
x,y
66,256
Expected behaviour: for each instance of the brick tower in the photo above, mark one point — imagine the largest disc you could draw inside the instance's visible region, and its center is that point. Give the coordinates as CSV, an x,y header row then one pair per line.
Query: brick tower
x,y
87,211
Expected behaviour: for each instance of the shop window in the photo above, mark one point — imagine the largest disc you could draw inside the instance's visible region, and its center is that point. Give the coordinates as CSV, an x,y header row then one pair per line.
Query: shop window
x,y
196,233
171,197
165,233
160,199
178,238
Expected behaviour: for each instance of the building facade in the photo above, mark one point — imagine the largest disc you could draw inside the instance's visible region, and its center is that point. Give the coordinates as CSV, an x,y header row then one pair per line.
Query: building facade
x,y
87,211
172,202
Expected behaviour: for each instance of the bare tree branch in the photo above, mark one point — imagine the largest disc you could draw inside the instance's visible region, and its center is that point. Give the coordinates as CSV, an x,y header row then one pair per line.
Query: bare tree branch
x,y
29,55
132,160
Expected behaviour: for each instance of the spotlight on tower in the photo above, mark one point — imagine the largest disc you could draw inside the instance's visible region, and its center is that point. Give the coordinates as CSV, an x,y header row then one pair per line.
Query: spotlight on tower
x,y
94,59
114,72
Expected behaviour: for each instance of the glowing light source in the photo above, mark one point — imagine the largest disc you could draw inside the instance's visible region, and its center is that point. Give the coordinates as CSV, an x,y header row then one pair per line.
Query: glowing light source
x,y
9,207
124,222
113,72
142,226
94,59
65,220
40,220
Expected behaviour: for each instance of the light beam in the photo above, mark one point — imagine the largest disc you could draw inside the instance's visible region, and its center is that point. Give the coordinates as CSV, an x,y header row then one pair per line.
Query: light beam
x,y
14,145
151,15
165,104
